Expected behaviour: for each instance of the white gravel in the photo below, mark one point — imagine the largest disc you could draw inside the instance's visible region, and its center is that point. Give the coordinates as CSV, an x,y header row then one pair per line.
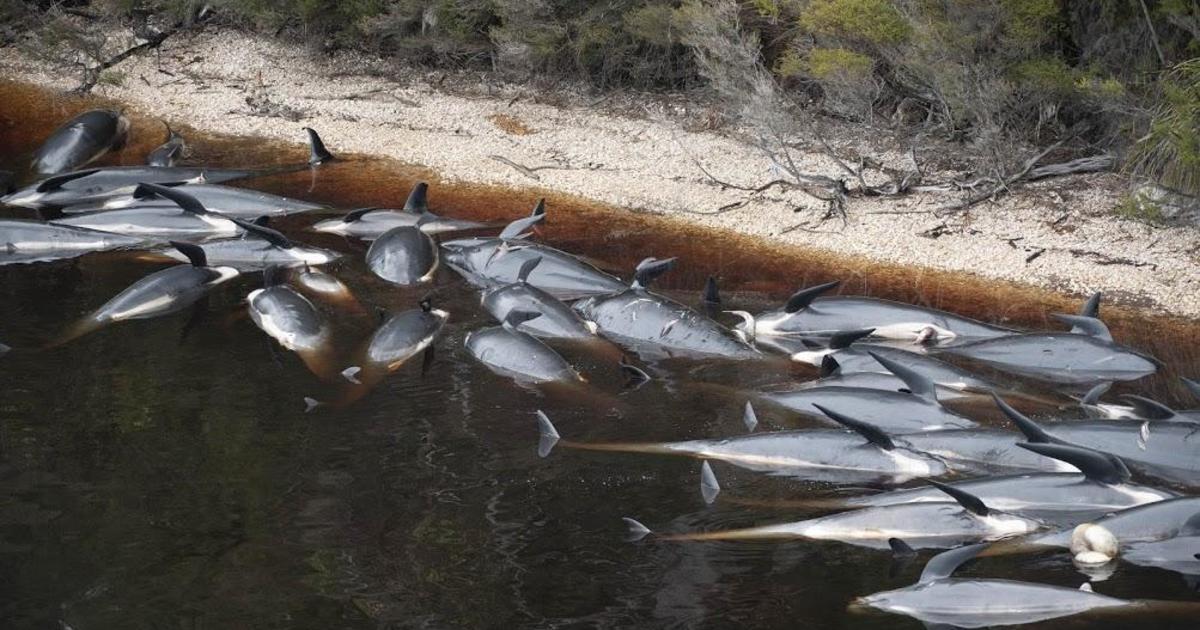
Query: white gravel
x,y
647,164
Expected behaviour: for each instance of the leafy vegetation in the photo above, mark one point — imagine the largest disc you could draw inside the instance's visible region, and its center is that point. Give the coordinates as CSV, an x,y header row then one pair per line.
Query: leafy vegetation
x,y
1113,72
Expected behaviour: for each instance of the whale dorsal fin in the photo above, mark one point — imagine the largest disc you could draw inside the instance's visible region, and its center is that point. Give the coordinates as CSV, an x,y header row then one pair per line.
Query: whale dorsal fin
x,y
649,269
195,254
804,297
1192,386
179,198
1093,395
1095,465
517,317
843,339
527,268
709,487
1149,409
917,383
317,153
1089,326
946,563
1091,308
517,228
1191,527
711,294
418,202
829,366
1033,432
57,181
968,501
901,548
749,418
870,432
357,215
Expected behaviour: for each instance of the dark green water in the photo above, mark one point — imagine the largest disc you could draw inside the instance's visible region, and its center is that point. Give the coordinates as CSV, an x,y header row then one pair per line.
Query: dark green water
x,y
154,480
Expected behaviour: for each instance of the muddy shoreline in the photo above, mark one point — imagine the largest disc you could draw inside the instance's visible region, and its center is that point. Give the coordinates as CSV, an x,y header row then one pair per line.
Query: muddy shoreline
x,y
1058,235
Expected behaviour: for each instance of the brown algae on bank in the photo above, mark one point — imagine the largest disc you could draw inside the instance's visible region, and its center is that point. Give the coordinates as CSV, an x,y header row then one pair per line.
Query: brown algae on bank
x,y
615,238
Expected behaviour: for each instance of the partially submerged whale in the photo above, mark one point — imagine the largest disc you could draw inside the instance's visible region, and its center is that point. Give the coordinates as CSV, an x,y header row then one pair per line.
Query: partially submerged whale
x,y
1075,358
157,221
656,326
1180,553
404,335
511,352
923,525
259,248
557,320
1145,523
161,293
807,313
94,185
243,203
290,319
32,241
487,262
940,600
371,223
404,255
1169,451
1103,486
916,410
832,455
81,140
169,152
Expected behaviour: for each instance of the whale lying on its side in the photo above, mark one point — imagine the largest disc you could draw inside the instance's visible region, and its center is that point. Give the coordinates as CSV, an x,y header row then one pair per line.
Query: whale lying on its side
x,y
807,313
1075,358
243,203
163,222
557,320
94,185
290,319
80,141
816,454
31,241
925,525
488,262
654,326
508,351
160,293
944,601
370,223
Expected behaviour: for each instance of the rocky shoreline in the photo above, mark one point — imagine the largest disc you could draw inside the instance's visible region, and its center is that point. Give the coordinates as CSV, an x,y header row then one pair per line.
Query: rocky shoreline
x,y
1060,234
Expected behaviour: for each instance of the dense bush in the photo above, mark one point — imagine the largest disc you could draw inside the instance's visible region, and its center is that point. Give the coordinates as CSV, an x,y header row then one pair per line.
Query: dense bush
x,y
1026,70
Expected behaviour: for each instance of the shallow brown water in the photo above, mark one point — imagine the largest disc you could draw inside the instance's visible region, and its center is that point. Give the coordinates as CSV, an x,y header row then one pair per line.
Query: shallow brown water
x,y
150,479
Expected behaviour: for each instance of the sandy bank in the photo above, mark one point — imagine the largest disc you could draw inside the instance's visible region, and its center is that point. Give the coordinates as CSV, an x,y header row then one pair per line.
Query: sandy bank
x,y
1057,234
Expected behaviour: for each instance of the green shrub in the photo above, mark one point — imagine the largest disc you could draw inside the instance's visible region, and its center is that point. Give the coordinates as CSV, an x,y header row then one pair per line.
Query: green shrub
x,y
870,21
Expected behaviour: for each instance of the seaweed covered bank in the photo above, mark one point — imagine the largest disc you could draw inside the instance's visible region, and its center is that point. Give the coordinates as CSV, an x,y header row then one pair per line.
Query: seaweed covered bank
x,y
1061,234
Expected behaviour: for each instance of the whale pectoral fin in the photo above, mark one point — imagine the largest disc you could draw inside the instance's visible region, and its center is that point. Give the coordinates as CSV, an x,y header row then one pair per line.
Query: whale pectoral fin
x,y
635,377
1091,308
527,268
946,563
1192,386
548,435
637,531
749,418
709,488
843,339
57,181
1093,395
